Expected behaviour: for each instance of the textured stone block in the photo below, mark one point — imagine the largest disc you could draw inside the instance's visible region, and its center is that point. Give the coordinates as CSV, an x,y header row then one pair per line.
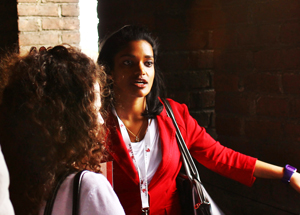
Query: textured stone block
x,y
37,10
60,24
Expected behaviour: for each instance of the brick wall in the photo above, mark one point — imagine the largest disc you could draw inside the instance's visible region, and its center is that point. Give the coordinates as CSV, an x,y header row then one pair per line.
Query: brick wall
x,y
256,61
48,23
235,64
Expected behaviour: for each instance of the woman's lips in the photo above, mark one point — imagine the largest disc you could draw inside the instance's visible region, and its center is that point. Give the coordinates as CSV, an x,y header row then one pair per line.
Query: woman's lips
x,y
141,83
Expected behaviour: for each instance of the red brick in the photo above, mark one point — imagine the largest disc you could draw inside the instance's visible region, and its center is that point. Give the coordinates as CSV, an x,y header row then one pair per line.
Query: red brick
x,y
263,129
199,19
37,10
203,117
233,60
202,59
224,37
291,58
39,38
229,126
262,82
235,103
294,110
184,40
289,152
232,2
230,15
150,7
171,22
202,99
60,24
268,59
205,59
291,83
290,33
247,35
181,96
206,4
187,80
70,10
71,37
268,34
175,60
226,82
197,40
274,11
269,106
26,24
292,131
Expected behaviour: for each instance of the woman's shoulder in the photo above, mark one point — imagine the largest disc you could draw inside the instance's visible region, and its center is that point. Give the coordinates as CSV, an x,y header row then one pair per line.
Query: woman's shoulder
x,y
177,107
94,178
98,195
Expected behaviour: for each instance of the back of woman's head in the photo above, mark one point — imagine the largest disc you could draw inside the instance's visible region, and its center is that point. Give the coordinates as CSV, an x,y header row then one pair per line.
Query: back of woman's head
x,y
48,121
116,42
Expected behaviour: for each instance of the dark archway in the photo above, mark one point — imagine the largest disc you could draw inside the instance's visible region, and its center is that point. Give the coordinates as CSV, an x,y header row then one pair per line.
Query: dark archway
x,y
8,26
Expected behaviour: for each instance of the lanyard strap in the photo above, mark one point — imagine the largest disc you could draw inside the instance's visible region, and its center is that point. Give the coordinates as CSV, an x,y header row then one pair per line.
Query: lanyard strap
x,y
143,180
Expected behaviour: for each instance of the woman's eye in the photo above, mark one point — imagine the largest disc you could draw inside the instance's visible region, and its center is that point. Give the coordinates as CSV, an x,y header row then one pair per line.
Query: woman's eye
x,y
127,62
148,63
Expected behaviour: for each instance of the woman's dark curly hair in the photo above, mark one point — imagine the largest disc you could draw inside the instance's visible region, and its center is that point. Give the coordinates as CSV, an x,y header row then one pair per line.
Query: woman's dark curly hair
x,y
48,121
116,42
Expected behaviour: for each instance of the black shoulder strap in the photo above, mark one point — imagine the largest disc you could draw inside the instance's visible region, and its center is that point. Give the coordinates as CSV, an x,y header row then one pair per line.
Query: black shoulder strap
x,y
76,193
188,162
50,202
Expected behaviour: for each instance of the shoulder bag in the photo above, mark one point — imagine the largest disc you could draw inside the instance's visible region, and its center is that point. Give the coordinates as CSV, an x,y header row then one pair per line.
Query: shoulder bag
x,y
194,199
76,193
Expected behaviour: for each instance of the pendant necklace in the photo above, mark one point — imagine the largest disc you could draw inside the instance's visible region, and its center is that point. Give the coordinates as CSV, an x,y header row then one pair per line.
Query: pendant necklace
x,y
137,139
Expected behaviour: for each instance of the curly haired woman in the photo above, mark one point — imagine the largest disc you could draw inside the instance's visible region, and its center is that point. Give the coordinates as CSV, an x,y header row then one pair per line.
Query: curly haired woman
x,y
51,124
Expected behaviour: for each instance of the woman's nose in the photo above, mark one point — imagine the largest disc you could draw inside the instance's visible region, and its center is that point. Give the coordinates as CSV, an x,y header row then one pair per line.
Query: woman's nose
x,y
141,68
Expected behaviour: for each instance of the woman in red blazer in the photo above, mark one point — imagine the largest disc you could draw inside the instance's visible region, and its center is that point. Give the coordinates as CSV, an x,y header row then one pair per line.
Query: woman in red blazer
x,y
142,140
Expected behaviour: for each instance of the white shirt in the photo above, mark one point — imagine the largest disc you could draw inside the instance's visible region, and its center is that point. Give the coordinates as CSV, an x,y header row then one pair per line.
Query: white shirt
x,y
96,197
5,203
154,154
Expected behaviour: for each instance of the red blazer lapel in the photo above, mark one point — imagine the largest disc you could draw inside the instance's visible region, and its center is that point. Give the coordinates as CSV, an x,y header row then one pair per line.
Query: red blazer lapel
x,y
118,149
168,139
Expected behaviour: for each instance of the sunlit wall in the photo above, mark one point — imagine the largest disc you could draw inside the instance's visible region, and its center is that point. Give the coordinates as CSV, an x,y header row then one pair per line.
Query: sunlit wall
x,y
88,27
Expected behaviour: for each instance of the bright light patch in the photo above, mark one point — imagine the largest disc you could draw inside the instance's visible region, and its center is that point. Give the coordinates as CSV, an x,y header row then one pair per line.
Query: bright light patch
x,y
89,27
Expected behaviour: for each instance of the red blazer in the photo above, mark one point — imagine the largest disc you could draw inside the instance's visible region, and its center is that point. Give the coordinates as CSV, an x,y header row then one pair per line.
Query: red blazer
x,y
163,194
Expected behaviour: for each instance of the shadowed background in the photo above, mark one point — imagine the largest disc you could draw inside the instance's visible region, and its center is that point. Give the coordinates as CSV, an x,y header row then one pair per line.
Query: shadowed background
x,y
235,63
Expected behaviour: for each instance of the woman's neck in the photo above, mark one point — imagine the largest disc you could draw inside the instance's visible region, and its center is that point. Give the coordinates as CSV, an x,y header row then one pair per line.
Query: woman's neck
x,y
130,109
130,112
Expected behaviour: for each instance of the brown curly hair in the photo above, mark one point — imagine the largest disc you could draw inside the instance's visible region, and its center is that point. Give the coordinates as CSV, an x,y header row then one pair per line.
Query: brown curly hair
x,y
48,122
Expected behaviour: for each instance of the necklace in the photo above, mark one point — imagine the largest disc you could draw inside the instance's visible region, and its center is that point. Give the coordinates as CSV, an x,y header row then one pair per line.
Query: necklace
x,y
137,139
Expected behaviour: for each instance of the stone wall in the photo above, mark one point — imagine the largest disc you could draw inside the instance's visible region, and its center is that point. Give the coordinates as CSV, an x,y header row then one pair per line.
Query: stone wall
x,y
48,23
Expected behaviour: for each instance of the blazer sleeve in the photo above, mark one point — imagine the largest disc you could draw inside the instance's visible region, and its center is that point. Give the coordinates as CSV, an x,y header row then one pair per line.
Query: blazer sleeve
x,y
210,152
